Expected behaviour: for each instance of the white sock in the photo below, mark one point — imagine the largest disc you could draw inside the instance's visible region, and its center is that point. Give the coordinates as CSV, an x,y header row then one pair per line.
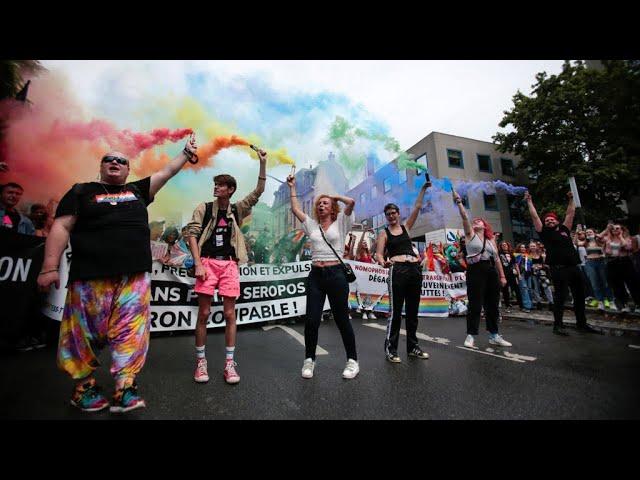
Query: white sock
x,y
200,352
229,351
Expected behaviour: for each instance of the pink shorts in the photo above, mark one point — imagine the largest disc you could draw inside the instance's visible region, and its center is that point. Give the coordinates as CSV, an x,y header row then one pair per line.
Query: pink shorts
x,y
221,274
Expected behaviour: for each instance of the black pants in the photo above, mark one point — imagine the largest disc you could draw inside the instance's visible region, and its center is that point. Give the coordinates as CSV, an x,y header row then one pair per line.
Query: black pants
x,y
405,284
567,278
620,271
512,284
483,290
322,283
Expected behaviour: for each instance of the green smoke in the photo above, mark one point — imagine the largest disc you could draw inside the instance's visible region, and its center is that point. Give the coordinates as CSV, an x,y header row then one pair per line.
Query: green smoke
x,y
342,135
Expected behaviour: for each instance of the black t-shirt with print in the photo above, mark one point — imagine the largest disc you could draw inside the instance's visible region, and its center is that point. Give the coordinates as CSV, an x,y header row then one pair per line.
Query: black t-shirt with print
x,y
111,234
560,250
11,220
219,243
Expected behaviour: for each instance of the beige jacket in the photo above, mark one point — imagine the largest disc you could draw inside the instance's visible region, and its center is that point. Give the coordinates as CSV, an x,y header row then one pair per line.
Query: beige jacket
x,y
195,227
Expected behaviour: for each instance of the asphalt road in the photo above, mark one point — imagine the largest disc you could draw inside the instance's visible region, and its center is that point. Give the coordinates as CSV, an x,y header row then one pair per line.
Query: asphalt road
x,y
542,376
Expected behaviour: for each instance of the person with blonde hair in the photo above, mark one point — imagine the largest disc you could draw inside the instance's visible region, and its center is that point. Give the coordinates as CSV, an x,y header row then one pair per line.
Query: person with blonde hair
x,y
326,230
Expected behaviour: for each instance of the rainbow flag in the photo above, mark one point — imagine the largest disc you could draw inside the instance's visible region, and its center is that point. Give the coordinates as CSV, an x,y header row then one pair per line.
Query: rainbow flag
x,y
433,306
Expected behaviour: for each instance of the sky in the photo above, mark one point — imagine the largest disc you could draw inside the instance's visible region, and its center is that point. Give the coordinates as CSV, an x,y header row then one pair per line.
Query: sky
x,y
286,107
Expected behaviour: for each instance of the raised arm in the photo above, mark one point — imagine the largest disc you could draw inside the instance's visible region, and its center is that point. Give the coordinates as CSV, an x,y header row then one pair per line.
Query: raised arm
x,y
571,212
468,231
381,243
537,223
53,248
416,207
295,205
162,176
348,201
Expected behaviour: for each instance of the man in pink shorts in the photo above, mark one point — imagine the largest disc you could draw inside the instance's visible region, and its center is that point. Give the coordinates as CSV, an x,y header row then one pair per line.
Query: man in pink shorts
x,y
218,246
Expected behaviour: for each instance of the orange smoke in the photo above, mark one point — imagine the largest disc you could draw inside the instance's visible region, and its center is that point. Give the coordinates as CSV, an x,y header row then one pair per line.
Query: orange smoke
x,y
208,150
148,163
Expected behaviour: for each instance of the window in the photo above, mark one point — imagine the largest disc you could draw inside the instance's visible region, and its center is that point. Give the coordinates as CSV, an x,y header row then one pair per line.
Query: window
x,y
363,199
374,192
422,160
507,167
490,202
387,184
484,163
402,176
455,158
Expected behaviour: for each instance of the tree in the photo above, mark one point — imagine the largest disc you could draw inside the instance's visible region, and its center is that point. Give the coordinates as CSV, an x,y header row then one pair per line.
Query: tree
x,y
12,73
584,123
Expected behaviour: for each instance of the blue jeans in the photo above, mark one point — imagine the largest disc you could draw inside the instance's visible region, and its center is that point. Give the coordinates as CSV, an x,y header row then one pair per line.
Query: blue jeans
x,y
322,283
525,288
596,270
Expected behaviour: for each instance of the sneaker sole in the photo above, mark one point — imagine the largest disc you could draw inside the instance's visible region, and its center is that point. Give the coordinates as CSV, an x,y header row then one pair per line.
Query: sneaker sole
x,y
491,342
393,361
418,356
201,380
232,382
97,409
307,376
350,378
113,409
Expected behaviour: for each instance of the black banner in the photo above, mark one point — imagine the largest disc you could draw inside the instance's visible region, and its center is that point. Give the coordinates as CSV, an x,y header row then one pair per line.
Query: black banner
x,y
21,258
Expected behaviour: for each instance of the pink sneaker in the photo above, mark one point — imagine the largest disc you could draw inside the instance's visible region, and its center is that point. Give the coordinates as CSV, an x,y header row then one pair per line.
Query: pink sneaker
x,y
201,375
230,374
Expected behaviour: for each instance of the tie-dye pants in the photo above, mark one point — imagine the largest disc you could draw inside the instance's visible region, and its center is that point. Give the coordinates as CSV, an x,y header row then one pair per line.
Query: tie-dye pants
x,y
112,311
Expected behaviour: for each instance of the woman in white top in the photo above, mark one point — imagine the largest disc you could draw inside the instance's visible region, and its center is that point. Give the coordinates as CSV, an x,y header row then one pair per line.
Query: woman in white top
x,y
485,277
327,277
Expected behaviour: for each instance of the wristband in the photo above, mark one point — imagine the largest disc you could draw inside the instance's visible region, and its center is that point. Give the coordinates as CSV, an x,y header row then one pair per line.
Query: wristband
x,y
48,271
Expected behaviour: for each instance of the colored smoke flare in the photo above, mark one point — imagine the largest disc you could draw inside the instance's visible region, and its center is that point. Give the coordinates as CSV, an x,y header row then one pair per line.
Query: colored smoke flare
x,y
129,142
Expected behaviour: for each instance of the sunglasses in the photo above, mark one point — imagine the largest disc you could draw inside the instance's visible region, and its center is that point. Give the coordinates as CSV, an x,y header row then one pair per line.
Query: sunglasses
x,y
109,159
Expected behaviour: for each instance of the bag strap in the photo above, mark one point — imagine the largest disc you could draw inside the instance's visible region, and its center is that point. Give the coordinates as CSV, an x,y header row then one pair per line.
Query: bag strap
x,y
330,246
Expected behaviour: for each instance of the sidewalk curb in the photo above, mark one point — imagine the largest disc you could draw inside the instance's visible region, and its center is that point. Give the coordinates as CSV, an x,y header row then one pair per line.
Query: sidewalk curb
x,y
609,328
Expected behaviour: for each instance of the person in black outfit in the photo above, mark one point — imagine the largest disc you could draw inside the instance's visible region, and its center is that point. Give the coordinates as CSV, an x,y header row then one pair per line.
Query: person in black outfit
x,y
511,272
563,261
405,278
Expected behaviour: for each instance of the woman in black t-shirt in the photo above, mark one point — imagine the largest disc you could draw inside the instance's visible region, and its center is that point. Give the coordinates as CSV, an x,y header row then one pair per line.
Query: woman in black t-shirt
x,y
109,288
405,278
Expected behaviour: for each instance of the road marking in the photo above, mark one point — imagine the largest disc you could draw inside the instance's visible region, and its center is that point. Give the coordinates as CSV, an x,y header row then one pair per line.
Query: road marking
x,y
513,357
297,336
634,346
421,336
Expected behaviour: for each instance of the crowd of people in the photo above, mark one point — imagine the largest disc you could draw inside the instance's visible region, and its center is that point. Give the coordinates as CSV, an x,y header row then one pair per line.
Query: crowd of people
x,y
109,288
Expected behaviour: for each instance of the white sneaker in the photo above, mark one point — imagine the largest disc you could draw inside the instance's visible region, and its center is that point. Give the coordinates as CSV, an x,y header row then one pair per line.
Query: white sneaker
x,y
351,369
625,309
358,310
350,317
307,368
498,340
601,306
364,316
469,341
372,316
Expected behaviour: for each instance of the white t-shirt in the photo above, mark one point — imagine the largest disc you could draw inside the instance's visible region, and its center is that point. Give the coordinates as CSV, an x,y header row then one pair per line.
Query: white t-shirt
x,y
335,234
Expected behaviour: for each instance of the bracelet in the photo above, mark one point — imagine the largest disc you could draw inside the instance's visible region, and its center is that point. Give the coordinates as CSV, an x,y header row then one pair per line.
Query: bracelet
x,y
48,271
293,195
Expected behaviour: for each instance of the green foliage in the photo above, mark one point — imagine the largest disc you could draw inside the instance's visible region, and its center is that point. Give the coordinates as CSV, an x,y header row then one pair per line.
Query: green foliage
x,y
583,122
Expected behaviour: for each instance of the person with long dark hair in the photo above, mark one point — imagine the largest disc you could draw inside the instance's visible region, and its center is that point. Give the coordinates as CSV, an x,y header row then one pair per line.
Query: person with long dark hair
x,y
511,272
485,277
405,278
326,232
